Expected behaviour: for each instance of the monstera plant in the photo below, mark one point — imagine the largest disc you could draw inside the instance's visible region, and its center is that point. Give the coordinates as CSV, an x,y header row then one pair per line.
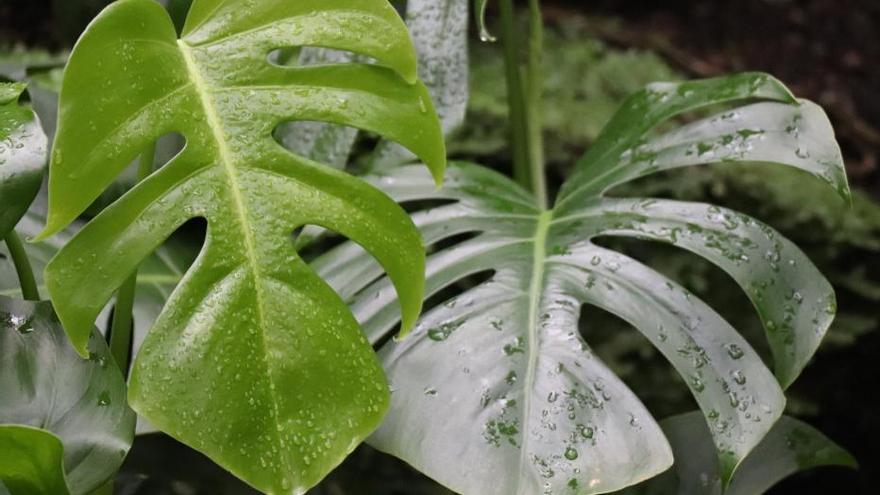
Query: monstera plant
x,y
238,363
504,362
262,357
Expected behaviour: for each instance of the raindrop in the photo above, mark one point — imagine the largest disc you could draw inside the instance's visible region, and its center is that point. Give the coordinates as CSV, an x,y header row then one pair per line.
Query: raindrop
x,y
734,351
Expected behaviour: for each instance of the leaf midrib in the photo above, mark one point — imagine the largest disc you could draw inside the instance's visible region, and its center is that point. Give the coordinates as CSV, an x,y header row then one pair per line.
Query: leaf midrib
x,y
536,292
240,205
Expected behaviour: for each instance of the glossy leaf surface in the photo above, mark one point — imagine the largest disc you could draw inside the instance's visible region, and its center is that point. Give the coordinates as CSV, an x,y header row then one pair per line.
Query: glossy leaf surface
x,y
81,402
22,156
790,447
503,363
255,361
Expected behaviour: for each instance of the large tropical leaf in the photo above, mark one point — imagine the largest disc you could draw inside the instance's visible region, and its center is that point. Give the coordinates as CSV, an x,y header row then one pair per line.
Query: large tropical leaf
x,y
791,446
499,380
22,156
255,360
65,422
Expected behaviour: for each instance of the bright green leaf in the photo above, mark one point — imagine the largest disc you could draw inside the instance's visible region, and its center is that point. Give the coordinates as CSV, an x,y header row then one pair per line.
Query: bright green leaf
x,y
22,156
31,461
81,402
790,447
518,388
241,362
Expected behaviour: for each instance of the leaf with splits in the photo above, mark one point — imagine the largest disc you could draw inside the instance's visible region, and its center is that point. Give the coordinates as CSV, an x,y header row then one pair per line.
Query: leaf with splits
x,y
498,379
255,360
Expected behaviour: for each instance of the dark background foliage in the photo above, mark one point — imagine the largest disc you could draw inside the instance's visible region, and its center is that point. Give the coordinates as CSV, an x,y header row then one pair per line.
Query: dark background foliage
x,y
598,51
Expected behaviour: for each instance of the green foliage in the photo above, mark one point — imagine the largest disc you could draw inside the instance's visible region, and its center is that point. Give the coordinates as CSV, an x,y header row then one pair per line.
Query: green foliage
x,y
22,156
548,408
586,80
31,461
64,422
158,274
252,343
243,364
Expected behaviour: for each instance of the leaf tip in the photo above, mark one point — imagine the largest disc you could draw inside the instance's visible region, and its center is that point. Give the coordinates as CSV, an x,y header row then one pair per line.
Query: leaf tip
x,y
42,236
51,228
438,173
485,35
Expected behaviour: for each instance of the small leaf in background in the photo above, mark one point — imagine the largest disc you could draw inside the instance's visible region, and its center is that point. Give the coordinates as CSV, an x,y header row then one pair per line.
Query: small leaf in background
x,y
255,361
790,447
22,156
80,403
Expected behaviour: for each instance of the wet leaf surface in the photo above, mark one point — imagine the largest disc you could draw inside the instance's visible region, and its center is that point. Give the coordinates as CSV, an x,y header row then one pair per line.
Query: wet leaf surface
x,y
57,407
503,364
255,361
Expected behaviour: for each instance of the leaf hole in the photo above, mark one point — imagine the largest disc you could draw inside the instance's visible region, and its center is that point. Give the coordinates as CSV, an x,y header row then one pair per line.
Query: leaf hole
x,y
310,56
635,361
158,275
702,279
322,142
167,148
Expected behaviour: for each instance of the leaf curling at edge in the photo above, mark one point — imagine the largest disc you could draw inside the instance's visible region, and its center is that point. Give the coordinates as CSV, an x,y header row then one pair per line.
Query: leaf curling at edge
x,y
255,361
504,364
22,156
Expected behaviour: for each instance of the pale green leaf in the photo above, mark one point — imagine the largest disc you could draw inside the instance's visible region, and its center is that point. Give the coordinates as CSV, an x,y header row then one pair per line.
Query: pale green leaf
x,y
518,388
439,30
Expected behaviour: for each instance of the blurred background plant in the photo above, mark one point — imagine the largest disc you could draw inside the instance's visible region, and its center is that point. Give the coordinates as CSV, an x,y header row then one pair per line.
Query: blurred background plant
x,y
596,55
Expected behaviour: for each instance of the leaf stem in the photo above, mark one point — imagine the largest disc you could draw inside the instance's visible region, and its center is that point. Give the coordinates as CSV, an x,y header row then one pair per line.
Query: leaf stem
x,y
122,327
22,263
524,98
515,95
534,102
